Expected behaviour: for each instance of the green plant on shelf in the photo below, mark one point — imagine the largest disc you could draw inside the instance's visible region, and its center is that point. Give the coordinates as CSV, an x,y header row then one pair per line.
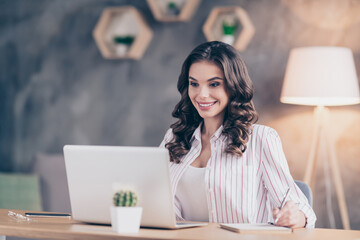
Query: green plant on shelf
x,y
126,40
122,43
173,9
229,25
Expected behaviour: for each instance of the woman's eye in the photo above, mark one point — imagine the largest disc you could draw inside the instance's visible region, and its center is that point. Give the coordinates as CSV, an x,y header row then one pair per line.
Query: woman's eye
x,y
214,84
194,84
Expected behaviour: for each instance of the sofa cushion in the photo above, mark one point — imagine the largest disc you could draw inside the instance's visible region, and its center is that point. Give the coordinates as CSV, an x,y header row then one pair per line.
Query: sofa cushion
x,y
20,191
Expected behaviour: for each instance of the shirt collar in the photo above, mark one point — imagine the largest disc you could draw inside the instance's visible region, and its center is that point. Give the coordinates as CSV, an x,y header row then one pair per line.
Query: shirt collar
x,y
218,133
197,133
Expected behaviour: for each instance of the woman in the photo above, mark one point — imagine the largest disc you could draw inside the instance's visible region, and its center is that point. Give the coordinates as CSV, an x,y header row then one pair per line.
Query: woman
x,y
224,168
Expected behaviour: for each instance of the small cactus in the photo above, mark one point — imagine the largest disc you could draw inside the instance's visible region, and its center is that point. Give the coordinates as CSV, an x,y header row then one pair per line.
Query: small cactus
x,y
125,199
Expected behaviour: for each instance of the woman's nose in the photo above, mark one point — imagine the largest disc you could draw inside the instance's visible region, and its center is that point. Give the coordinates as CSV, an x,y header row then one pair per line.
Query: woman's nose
x,y
204,92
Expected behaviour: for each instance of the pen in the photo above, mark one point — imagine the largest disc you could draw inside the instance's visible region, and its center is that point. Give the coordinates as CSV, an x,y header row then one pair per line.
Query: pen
x,y
283,202
32,214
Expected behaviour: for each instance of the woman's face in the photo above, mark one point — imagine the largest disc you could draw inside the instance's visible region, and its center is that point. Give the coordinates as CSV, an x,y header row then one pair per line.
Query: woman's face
x,y
207,90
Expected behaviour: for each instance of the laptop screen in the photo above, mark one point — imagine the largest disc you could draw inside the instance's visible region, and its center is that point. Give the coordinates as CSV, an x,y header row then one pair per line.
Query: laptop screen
x,y
94,173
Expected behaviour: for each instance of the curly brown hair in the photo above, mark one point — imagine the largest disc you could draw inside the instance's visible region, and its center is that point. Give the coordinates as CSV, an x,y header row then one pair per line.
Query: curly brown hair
x,y
240,113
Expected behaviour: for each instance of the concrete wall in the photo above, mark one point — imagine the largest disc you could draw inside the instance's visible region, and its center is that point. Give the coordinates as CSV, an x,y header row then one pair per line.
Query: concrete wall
x,y
56,89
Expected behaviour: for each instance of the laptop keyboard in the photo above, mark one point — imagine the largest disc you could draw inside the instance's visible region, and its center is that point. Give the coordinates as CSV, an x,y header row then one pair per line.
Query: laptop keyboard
x,y
184,223
190,224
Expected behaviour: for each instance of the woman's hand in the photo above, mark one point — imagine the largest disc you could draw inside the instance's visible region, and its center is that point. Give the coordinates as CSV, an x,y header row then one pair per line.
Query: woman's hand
x,y
289,216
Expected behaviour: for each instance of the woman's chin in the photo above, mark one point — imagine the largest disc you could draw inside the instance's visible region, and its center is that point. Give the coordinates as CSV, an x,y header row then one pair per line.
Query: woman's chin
x,y
207,116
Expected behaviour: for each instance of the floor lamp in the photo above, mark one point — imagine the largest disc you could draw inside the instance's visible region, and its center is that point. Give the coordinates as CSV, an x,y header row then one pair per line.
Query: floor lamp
x,y
321,77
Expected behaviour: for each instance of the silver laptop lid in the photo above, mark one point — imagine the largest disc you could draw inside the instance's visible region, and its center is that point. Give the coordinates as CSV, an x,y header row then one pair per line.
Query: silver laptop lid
x,y
94,173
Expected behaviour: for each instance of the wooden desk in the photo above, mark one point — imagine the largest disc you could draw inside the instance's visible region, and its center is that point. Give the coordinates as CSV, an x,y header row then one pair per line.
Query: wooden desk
x,y
66,228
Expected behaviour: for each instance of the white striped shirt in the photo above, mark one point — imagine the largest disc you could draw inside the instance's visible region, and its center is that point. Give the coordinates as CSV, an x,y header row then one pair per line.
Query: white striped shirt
x,y
242,189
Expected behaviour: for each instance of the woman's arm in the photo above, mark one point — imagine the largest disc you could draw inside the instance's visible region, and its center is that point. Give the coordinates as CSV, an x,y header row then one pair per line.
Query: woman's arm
x,y
277,178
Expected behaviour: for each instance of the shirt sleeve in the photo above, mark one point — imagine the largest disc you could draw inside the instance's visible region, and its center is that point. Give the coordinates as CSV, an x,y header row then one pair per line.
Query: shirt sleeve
x,y
277,177
178,209
177,206
167,138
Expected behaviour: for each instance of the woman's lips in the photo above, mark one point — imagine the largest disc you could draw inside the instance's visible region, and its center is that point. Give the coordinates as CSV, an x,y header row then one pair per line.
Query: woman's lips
x,y
205,105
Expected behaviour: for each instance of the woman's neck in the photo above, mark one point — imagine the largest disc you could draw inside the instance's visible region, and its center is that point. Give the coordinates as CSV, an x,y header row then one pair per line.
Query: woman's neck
x,y
210,126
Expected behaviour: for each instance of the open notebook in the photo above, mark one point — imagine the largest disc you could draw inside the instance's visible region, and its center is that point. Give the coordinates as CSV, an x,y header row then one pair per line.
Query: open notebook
x,y
255,228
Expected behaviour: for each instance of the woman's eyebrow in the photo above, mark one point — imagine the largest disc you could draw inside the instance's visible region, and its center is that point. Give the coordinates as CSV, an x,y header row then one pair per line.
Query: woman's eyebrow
x,y
211,79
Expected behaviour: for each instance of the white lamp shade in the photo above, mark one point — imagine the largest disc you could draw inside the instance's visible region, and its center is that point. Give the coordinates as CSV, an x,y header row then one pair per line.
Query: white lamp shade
x,y
320,76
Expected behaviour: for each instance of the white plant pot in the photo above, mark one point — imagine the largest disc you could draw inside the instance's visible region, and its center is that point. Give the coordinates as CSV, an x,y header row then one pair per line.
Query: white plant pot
x,y
121,49
125,219
229,39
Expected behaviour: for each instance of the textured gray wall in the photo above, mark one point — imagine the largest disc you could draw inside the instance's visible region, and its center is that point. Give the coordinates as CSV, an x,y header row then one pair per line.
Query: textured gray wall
x,y
56,89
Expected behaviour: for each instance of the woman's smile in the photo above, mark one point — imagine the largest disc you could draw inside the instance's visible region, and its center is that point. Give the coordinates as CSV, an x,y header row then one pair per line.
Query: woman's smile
x,y
206,105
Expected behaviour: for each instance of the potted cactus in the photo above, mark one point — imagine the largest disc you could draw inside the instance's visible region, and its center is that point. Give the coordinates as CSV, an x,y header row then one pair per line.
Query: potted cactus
x,y
125,216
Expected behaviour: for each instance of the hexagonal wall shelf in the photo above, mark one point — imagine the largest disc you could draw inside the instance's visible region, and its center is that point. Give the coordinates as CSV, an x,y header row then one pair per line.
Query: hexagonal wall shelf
x,y
243,29
173,10
122,32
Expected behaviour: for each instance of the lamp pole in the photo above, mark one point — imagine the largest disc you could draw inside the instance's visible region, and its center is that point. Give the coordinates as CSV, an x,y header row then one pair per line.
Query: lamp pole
x,y
322,134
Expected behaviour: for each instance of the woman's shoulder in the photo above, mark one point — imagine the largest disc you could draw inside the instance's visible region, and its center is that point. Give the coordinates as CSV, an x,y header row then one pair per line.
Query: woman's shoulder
x,y
168,137
169,132
263,132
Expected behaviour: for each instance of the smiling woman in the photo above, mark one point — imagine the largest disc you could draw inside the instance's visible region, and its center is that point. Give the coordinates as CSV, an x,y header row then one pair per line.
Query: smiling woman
x,y
224,167
212,62
207,91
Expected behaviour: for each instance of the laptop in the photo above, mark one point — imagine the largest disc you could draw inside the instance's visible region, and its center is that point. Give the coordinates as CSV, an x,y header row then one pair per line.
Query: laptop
x,y
94,173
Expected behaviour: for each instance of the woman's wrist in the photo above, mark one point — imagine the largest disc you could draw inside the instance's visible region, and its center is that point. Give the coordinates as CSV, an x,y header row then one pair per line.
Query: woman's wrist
x,y
303,219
